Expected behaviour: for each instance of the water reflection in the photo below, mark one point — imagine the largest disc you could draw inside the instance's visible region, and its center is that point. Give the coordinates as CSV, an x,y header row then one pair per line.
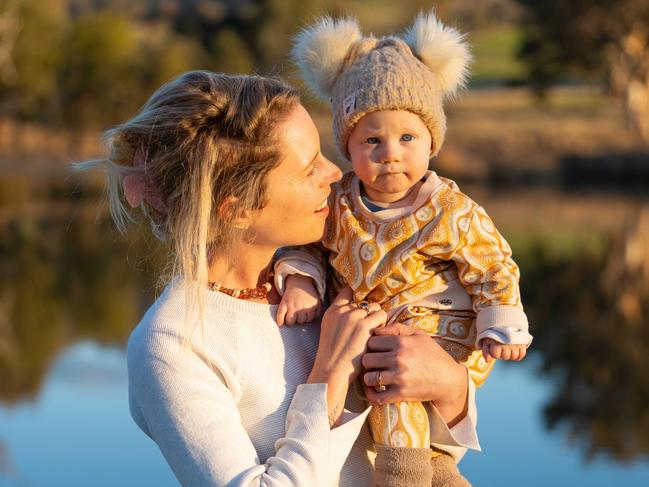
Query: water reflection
x,y
592,316
64,278
8,468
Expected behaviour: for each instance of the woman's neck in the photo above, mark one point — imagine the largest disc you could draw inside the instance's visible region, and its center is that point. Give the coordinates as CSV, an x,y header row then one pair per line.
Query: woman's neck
x,y
250,271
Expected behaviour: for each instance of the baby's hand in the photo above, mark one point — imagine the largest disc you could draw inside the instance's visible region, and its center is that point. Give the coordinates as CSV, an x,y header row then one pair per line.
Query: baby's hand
x,y
300,303
491,349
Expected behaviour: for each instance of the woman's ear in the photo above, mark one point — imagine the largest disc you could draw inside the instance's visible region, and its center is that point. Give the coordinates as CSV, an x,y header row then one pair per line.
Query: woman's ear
x,y
230,214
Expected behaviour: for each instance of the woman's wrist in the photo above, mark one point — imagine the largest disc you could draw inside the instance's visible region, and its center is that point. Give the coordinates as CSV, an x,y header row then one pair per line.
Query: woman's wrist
x,y
324,371
337,386
453,405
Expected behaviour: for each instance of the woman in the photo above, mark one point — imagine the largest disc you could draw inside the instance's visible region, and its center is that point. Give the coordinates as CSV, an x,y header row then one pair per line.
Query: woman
x,y
229,169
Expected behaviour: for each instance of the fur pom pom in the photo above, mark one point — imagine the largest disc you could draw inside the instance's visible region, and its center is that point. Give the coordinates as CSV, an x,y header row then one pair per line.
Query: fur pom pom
x,y
441,48
319,52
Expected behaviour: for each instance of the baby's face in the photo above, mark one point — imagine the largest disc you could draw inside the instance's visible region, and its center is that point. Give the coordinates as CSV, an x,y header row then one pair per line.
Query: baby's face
x,y
390,150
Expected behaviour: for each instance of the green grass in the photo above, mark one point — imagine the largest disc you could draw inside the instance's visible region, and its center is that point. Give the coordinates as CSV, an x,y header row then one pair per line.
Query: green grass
x,y
561,244
494,52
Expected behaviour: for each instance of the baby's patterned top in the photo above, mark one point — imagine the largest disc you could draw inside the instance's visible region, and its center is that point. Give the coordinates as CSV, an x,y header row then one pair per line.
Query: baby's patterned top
x,y
405,255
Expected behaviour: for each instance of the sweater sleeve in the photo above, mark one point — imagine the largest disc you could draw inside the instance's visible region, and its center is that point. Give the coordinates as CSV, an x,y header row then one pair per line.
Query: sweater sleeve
x,y
462,436
490,276
307,260
187,406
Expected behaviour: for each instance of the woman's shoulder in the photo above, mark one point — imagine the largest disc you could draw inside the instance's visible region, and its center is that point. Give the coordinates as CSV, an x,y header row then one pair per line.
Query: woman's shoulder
x,y
170,345
172,324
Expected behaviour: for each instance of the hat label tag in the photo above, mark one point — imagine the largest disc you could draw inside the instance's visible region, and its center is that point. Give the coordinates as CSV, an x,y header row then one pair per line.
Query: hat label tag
x,y
349,105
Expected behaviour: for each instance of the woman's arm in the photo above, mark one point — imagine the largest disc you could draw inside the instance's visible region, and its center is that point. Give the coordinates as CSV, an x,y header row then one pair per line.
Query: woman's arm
x,y
344,333
188,410
187,404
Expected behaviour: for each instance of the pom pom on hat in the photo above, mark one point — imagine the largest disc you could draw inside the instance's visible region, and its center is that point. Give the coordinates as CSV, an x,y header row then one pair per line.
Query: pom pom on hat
x,y
320,50
358,75
442,49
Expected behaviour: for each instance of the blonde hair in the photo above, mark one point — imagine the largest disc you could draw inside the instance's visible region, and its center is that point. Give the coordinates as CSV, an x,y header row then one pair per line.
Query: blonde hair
x,y
207,137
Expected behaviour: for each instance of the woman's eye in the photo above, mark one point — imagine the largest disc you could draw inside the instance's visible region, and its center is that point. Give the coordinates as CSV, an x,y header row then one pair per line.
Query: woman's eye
x,y
407,137
314,169
372,140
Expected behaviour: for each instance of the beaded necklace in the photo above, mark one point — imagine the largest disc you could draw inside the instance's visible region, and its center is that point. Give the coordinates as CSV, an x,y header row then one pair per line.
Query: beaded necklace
x,y
259,292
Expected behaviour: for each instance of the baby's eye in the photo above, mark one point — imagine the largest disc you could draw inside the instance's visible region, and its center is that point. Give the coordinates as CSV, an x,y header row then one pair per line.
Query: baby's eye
x,y
372,140
407,137
314,169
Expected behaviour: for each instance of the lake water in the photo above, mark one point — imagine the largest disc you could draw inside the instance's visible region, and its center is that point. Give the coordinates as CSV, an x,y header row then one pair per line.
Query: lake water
x,y
78,432
576,410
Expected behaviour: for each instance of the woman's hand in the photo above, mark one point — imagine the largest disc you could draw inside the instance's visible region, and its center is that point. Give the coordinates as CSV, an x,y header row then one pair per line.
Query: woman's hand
x,y
414,368
344,332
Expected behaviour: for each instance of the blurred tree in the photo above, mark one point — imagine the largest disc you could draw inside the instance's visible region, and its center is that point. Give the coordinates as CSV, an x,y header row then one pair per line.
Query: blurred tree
x,y
9,26
165,55
85,63
81,65
115,63
64,280
246,35
593,334
605,39
99,75
230,53
39,29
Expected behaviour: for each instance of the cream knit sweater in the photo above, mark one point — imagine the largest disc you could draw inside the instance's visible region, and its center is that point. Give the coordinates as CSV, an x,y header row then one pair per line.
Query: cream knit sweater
x,y
233,409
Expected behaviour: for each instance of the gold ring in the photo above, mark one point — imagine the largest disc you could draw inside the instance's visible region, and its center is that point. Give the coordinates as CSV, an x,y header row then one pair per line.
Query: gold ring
x,y
380,387
364,305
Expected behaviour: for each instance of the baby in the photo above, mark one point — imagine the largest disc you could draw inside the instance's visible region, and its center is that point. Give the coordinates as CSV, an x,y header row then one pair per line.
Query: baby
x,y
397,233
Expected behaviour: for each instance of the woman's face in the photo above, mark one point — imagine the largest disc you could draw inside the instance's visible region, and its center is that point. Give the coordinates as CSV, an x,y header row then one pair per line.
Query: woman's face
x,y
297,189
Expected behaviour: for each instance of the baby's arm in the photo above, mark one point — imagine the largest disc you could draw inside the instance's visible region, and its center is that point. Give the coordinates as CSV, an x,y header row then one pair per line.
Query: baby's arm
x,y
490,276
301,301
300,277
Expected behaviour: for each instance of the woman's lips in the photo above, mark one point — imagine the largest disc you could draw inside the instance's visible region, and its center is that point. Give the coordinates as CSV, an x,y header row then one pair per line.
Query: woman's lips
x,y
323,207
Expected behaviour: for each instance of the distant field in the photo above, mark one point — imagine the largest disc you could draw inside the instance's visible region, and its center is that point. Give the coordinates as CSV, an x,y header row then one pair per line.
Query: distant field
x,y
511,130
490,129
494,52
508,129
491,133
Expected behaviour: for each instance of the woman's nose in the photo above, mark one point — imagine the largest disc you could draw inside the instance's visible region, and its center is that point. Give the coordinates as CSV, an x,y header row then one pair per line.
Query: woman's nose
x,y
332,172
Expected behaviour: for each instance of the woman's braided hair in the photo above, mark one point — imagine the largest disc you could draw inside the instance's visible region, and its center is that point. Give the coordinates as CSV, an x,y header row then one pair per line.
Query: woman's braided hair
x,y
207,137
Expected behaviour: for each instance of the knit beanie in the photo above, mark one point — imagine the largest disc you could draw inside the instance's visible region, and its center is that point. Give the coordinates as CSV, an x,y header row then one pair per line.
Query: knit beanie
x,y
416,72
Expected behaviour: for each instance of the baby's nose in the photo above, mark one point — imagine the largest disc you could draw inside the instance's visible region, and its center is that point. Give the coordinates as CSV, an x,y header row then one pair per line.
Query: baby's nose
x,y
390,153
